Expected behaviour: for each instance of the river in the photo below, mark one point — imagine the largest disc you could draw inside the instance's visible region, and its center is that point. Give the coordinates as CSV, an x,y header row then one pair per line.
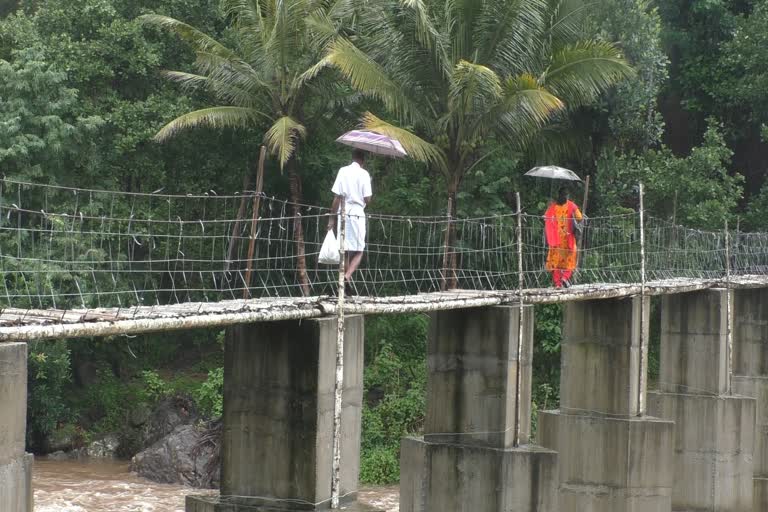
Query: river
x,y
108,486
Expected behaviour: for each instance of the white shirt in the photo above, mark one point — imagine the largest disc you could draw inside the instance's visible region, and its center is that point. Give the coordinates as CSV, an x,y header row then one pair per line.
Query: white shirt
x,y
354,184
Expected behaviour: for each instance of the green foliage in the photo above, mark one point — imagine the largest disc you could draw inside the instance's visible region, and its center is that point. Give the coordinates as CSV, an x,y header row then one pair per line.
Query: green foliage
x,y
699,186
454,76
633,119
42,134
395,382
154,387
48,379
210,395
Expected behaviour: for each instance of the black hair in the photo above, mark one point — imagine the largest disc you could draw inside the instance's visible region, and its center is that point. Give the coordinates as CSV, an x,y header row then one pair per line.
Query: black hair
x,y
562,195
358,155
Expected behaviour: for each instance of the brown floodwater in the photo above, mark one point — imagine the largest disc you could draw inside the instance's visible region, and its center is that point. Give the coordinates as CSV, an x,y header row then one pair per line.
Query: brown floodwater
x,y
107,486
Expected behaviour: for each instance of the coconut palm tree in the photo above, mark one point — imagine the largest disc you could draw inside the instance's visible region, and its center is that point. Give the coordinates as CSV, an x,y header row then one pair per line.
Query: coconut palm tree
x,y
261,77
455,72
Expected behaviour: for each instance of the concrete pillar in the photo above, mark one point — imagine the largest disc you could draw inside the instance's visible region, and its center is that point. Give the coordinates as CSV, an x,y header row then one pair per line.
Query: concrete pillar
x,y
714,433
279,382
466,461
613,458
750,359
15,464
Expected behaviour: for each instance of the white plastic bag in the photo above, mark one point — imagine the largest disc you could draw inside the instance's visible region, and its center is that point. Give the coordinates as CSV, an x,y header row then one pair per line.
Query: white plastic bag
x,y
329,253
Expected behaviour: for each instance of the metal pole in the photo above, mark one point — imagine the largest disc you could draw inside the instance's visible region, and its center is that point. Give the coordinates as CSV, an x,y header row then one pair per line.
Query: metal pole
x,y
729,323
520,332
643,344
337,396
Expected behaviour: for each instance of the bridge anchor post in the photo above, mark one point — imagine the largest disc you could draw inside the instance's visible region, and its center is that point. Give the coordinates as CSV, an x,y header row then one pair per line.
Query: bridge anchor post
x,y
279,380
15,464
714,429
613,458
467,458
750,368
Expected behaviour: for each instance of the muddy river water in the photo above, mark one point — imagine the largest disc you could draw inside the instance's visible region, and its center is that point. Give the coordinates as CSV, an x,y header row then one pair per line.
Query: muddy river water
x,y
108,486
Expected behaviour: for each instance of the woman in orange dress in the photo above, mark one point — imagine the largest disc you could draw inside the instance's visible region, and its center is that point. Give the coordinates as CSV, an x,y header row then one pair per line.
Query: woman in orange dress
x,y
559,229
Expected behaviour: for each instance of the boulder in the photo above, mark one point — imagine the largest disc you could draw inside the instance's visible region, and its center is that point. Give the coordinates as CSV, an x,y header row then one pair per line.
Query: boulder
x,y
183,457
104,448
169,414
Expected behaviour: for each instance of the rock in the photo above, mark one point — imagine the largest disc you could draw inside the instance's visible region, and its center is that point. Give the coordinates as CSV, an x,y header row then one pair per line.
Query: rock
x,y
167,416
105,447
180,458
59,455
62,439
139,415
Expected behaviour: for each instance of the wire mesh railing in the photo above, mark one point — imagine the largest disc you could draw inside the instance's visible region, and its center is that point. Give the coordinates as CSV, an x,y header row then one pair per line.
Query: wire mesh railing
x,y
77,248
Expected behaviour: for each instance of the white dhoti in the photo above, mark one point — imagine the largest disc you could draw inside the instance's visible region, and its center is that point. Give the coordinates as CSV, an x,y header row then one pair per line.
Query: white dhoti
x,y
355,231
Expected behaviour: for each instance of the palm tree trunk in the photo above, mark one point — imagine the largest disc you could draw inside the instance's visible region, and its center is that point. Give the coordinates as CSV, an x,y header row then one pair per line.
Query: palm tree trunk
x,y
298,228
450,280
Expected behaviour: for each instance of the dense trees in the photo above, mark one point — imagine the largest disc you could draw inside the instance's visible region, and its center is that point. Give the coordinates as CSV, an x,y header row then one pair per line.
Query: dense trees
x,y
479,90
463,72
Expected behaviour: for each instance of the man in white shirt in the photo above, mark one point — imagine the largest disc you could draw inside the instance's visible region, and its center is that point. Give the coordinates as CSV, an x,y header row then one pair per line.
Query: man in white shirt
x,y
353,183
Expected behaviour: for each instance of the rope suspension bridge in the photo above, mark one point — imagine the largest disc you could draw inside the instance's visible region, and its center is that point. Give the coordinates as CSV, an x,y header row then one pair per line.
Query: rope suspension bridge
x,y
81,262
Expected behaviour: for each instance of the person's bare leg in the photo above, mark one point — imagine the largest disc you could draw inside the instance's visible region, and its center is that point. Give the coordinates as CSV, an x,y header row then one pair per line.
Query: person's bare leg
x,y
353,261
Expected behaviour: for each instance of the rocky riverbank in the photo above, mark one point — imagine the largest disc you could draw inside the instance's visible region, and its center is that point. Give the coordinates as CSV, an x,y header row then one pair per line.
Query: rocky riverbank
x,y
170,443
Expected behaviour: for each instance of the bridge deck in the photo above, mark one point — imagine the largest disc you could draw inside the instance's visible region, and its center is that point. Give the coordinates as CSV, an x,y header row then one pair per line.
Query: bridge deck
x,y
28,325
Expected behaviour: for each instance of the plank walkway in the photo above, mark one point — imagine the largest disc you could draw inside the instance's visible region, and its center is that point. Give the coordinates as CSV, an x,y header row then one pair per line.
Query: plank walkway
x,y
30,325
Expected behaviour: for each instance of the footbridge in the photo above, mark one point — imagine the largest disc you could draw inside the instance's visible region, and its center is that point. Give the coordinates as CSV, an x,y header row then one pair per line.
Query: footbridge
x,y
85,263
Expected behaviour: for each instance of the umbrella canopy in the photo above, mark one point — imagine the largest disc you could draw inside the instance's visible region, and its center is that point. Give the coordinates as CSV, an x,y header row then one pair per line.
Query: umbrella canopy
x,y
373,143
554,173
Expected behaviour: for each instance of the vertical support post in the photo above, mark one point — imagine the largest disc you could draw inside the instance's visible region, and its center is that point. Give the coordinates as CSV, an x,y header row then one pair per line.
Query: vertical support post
x,y
255,220
728,306
643,328
585,203
446,254
337,396
521,287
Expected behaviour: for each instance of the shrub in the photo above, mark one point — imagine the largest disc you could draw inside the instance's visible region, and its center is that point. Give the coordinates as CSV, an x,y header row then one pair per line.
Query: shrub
x,y
48,378
210,395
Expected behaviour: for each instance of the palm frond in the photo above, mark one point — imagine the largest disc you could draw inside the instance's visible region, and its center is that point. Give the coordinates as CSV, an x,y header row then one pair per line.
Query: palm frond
x,y
507,34
368,77
198,40
524,97
417,148
282,138
567,19
580,73
473,88
188,81
214,117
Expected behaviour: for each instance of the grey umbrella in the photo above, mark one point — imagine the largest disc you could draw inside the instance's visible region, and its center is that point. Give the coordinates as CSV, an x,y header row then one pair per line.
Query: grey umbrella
x,y
553,172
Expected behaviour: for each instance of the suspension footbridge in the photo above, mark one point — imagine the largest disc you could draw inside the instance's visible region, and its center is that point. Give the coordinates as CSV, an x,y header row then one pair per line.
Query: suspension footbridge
x,y
81,262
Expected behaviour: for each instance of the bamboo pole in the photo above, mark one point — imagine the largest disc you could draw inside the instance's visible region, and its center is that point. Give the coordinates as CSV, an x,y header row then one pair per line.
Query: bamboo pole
x,y
337,395
520,287
728,306
254,221
643,334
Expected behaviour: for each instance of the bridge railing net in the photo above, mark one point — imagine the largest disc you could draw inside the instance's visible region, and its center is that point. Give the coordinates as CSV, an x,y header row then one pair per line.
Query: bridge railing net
x,y
68,248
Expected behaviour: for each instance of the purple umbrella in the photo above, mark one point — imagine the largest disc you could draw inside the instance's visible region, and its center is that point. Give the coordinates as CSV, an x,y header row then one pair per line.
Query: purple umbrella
x,y
373,143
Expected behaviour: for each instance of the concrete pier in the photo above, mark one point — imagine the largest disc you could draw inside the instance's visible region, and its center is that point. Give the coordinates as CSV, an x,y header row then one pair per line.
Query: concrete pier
x,y
15,464
279,382
612,458
750,368
466,460
714,433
